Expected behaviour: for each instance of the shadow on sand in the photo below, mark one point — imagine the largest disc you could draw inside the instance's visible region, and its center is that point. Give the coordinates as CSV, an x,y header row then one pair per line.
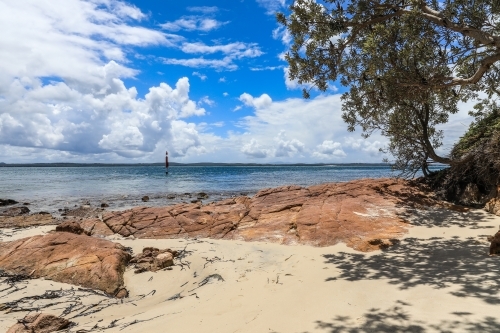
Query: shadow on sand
x,y
436,262
397,319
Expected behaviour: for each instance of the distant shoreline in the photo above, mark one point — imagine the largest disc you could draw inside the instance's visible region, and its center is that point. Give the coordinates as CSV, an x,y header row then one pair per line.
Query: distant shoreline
x,y
183,164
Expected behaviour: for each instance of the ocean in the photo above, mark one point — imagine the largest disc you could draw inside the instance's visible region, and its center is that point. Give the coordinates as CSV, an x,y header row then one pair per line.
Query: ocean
x,y
53,188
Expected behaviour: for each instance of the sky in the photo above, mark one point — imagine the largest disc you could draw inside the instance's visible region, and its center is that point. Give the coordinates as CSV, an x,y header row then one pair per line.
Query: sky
x,y
111,81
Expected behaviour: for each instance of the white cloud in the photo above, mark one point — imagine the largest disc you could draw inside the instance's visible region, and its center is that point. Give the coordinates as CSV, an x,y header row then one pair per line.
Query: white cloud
x,y
365,145
222,79
283,34
259,103
285,147
225,94
272,6
267,68
204,9
84,110
207,101
231,52
90,34
254,150
236,50
202,77
225,63
293,84
193,23
329,149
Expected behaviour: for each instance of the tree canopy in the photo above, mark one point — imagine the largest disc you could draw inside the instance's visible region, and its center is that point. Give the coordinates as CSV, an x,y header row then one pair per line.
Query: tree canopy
x,y
407,64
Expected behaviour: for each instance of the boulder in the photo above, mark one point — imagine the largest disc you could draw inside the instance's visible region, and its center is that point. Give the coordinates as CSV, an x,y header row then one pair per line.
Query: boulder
x,y
15,211
39,323
495,244
104,205
69,258
493,205
70,226
153,259
95,227
145,198
7,202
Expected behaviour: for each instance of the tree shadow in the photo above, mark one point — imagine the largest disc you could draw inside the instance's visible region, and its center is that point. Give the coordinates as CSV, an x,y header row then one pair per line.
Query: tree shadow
x,y
441,217
398,319
436,262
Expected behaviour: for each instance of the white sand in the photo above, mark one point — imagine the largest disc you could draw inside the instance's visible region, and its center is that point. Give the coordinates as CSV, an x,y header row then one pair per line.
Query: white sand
x,y
449,284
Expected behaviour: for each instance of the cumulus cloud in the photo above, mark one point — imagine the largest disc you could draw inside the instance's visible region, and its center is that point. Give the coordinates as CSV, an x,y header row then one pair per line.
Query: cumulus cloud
x,y
254,150
328,149
365,145
285,147
62,89
256,102
202,77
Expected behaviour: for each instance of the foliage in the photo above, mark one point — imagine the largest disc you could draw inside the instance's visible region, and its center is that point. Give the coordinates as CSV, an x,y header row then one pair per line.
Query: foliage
x,y
407,64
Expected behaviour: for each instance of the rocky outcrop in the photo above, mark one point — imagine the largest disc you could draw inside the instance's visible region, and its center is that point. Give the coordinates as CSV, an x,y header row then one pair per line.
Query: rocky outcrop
x,y
85,211
65,257
362,213
7,202
39,323
152,259
493,205
14,211
95,227
23,221
71,227
495,244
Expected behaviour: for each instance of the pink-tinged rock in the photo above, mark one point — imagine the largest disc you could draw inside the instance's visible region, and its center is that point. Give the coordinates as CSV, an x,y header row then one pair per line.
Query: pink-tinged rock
x,y
65,257
364,214
39,323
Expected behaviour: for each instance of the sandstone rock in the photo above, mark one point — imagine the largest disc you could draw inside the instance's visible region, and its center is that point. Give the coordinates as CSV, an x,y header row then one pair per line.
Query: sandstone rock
x,y
15,211
357,213
121,293
493,205
7,202
24,221
171,196
39,323
65,257
153,259
495,244
70,226
145,198
96,227
83,211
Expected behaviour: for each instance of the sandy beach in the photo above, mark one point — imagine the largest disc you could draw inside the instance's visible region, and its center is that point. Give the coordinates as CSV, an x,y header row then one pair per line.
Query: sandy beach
x,y
439,278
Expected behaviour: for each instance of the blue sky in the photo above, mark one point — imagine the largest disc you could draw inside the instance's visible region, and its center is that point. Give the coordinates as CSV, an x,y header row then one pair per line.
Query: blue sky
x,y
123,81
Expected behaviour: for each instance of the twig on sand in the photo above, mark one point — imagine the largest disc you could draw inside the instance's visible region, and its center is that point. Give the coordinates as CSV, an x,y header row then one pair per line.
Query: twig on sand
x,y
137,322
215,259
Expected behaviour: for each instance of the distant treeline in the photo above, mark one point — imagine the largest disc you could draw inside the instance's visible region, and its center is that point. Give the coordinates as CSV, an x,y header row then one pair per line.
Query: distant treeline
x,y
41,165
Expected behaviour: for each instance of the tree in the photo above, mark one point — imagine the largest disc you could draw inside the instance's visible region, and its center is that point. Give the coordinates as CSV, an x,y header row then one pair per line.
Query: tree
x,y
407,64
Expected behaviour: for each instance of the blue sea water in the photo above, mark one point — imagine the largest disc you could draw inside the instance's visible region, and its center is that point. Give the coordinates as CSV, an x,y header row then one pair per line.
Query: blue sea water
x,y
50,188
